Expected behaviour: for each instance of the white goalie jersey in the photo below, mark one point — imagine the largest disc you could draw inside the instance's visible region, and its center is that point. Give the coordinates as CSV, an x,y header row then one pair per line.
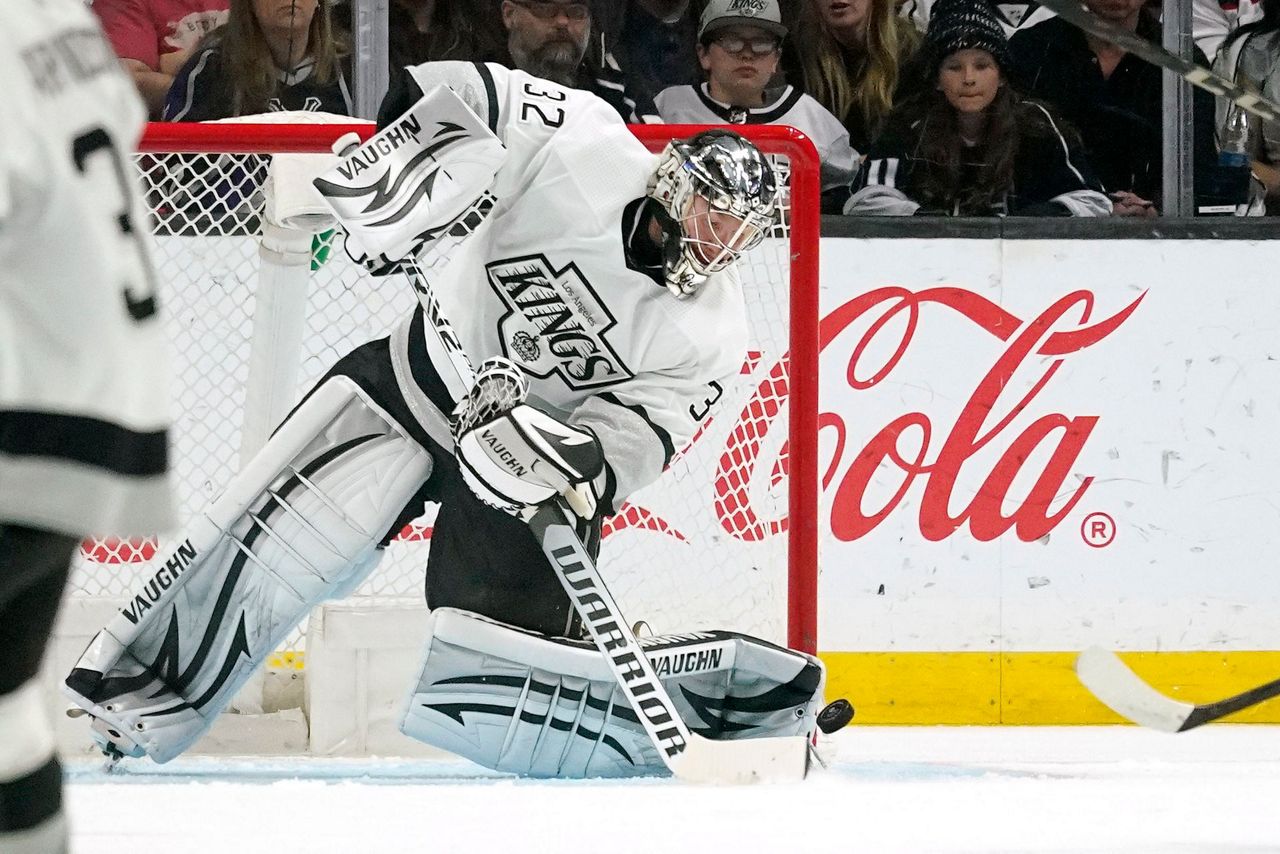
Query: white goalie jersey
x,y
83,397
544,280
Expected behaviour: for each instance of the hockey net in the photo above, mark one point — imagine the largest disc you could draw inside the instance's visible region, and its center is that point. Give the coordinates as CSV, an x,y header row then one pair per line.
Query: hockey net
x,y
726,539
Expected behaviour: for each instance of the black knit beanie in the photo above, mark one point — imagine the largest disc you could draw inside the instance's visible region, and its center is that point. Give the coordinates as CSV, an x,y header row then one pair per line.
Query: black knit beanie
x,y
959,24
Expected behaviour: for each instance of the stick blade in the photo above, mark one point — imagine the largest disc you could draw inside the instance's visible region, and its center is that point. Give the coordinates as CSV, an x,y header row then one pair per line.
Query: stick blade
x,y
1126,694
783,759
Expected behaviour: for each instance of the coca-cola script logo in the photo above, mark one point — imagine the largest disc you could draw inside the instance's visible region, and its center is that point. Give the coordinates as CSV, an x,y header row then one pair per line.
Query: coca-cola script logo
x,y
912,443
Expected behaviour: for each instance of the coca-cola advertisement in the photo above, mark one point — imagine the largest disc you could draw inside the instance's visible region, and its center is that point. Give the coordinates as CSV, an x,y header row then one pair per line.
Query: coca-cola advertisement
x,y
1041,445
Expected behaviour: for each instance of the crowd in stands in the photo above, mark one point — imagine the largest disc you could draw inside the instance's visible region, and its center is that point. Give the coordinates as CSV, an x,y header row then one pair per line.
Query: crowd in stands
x,y
941,107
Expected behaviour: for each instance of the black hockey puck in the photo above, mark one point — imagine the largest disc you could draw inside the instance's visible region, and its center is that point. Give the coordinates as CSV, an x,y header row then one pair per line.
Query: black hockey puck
x,y
835,716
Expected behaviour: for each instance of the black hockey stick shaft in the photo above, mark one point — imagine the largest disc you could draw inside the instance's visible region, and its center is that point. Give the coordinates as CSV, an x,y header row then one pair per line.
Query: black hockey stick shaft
x,y
1209,712
1197,75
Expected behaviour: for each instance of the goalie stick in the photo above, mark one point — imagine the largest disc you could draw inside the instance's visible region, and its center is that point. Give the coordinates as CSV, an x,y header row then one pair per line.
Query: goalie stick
x,y
1125,692
689,756
1074,13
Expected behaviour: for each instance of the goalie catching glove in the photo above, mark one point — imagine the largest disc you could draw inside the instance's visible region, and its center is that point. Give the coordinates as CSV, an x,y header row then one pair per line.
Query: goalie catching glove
x,y
515,457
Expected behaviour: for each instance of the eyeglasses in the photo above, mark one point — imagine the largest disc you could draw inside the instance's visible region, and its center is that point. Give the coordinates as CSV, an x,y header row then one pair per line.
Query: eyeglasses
x,y
548,11
760,45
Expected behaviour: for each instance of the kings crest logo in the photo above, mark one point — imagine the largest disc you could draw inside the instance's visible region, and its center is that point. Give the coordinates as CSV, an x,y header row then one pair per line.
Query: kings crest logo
x,y
525,346
558,309
746,8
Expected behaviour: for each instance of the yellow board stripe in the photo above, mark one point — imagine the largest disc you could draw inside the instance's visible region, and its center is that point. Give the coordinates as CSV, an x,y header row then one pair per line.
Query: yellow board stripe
x,y
1013,688
1030,687
287,661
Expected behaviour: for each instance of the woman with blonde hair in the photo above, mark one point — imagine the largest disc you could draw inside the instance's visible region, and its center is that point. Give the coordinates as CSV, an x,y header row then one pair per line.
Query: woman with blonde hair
x,y
851,56
270,55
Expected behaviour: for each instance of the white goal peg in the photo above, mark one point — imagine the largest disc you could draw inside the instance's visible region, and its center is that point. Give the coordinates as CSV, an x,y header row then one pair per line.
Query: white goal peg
x,y
345,144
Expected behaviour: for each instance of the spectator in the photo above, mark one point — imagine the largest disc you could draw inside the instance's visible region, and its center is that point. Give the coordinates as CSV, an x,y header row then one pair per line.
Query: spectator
x,y
1213,20
740,55
654,41
154,38
427,30
1251,56
970,146
271,55
850,55
1013,16
1114,98
549,39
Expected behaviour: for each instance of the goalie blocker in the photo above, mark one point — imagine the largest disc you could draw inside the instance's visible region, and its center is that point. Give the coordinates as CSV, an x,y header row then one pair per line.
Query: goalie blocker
x,y
550,707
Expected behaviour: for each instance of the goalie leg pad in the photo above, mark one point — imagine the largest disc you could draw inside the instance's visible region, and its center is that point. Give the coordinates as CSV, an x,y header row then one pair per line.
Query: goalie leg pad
x,y
415,181
550,707
299,525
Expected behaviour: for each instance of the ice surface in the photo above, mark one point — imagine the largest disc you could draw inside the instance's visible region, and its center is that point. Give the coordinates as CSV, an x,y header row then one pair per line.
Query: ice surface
x,y
909,789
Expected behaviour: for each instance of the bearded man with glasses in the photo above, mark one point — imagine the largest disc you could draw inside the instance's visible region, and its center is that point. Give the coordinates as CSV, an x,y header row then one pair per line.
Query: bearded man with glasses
x,y
739,45
552,39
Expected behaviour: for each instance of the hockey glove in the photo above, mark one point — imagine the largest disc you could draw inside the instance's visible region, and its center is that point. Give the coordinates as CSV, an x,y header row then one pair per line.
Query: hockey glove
x,y
515,457
413,182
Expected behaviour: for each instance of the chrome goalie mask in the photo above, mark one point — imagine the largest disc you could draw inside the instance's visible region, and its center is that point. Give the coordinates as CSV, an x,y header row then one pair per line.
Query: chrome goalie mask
x,y
721,193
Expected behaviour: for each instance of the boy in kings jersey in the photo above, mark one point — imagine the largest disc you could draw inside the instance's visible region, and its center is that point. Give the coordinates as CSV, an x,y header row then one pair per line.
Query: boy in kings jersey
x,y
83,396
575,266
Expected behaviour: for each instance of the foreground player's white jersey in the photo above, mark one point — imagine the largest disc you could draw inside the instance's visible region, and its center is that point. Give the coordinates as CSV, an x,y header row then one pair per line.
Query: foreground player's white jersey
x,y
83,396
545,283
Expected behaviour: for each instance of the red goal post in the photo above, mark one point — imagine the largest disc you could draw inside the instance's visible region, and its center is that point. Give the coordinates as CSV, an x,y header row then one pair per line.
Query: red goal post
x,y
203,182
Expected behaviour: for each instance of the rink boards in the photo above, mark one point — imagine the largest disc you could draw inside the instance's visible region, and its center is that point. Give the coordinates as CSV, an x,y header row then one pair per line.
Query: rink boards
x,y
1030,446
1027,447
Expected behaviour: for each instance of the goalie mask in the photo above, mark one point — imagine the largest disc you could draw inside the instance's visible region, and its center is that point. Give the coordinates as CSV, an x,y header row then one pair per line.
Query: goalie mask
x,y
721,196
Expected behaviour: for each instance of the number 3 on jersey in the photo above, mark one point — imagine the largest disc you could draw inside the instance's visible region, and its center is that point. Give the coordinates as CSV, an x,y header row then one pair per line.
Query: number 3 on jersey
x,y
139,289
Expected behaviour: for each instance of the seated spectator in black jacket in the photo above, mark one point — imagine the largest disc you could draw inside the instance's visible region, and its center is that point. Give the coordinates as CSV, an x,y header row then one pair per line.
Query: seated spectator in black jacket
x,y
271,55
428,30
550,39
971,146
654,41
1113,98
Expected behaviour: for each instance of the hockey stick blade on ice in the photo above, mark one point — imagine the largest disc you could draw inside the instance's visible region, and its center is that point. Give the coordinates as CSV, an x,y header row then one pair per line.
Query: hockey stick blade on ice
x,y
1125,693
1197,75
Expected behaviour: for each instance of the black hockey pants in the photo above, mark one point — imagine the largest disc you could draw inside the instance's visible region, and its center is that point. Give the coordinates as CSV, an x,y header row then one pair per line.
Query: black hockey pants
x,y
481,559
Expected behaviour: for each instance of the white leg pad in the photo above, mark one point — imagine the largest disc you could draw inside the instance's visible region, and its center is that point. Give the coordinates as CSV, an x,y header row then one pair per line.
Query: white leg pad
x,y
299,525
550,707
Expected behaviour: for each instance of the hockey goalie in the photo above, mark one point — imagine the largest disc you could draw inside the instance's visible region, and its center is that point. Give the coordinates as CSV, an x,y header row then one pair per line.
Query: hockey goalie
x,y
590,277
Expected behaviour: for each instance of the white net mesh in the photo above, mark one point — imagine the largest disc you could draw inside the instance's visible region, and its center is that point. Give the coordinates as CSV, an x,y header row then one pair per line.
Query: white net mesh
x,y
705,546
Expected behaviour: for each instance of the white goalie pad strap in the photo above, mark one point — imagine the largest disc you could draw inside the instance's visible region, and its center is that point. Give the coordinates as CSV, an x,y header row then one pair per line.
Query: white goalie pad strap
x,y
549,707
299,525
418,174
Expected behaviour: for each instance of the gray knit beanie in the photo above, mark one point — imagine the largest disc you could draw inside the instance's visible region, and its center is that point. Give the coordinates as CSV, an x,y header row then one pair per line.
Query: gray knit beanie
x,y
959,24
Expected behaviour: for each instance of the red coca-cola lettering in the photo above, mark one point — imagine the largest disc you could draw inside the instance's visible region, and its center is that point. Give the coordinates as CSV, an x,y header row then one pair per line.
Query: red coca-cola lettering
x,y
1030,519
